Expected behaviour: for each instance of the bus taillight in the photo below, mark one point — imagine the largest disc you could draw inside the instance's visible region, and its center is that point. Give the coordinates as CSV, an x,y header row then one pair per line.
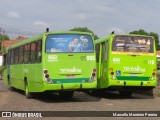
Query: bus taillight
x,y
46,75
112,73
45,71
153,74
111,69
94,71
93,74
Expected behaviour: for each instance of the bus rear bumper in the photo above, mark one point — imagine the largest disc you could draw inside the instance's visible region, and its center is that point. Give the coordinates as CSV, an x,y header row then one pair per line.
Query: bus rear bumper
x,y
69,86
114,85
132,83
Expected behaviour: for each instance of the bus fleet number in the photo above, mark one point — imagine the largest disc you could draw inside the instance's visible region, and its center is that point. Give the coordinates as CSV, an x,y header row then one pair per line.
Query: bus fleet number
x,y
90,58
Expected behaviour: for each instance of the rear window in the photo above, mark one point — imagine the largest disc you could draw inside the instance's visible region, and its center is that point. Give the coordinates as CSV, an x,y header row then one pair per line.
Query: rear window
x,y
63,43
133,44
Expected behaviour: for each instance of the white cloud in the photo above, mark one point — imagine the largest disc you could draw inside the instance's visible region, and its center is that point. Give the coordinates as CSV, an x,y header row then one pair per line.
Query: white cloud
x,y
82,16
40,24
13,14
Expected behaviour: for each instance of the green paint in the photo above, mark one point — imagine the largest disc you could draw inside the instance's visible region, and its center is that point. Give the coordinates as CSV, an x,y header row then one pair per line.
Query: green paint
x,y
59,66
133,66
133,78
72,80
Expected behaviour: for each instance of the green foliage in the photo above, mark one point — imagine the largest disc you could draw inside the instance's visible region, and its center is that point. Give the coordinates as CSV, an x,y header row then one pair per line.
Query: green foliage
x,y
5,37
84,29
143,32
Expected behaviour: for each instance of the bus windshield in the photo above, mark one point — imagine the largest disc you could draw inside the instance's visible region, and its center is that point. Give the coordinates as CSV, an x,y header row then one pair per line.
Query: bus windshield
x,y
136,44
63,43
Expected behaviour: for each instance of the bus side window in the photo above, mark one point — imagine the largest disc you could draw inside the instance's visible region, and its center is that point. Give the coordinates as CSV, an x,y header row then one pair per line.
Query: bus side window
x,y
33,52
27,53
106,51
39,51
97,52
16,55
5,59
21,54
12,56
8,57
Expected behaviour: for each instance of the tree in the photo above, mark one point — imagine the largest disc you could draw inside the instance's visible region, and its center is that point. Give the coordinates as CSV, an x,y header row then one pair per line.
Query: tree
x,y
4,37
84,29
143,32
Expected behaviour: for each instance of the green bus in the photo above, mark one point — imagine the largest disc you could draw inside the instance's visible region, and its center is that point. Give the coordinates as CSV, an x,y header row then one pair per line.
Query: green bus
x,y
126,63
53,61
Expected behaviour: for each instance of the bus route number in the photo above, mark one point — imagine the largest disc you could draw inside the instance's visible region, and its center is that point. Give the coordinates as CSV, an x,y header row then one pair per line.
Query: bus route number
x,y
90,58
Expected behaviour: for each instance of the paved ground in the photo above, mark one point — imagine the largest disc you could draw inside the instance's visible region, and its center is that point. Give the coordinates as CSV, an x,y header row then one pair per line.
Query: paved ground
x,y
16,101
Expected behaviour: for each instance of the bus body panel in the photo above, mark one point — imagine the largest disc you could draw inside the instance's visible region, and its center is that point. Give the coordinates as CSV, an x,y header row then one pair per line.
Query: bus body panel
x,y
69,71
129,70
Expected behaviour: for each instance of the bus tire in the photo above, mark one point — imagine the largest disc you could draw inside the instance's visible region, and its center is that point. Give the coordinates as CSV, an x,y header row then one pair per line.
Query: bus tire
x,y
125,93
27,93
66,94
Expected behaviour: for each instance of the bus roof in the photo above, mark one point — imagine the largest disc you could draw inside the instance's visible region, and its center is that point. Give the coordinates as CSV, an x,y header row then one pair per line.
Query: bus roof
x,y
38,37
107,38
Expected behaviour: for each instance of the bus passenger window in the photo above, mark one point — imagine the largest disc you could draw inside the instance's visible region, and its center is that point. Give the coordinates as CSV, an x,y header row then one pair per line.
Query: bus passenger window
x,y
12,56
20,56
16,55
33,52
27,53
39,51
97,52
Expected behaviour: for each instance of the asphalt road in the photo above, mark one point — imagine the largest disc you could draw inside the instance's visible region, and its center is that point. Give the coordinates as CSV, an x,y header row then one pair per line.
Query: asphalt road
x,y
16,101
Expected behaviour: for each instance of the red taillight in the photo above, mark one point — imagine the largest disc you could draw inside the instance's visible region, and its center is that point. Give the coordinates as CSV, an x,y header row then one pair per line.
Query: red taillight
x,y
45,71
112,73
46,76
153,74
93,74
94,70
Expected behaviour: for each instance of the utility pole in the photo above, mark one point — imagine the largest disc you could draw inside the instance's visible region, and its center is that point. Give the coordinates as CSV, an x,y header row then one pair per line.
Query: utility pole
x,y
1,40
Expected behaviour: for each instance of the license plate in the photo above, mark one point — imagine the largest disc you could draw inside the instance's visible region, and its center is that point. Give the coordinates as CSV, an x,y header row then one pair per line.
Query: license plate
x,y
133,74
70,76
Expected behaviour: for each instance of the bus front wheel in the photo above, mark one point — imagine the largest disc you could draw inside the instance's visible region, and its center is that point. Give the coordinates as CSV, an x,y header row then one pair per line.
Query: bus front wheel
x,y
66,94
125,93
27,93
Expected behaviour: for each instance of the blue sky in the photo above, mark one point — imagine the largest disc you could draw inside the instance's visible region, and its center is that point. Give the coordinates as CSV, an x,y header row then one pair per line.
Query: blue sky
x,y
22,17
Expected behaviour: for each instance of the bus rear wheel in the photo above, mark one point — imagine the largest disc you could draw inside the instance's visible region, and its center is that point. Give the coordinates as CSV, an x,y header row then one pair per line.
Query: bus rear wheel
x,y
125,93
66,94
27,93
